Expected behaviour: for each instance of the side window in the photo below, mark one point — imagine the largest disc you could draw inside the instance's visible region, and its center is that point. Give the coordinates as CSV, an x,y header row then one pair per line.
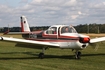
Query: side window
x,y
63,30
52,30
67,29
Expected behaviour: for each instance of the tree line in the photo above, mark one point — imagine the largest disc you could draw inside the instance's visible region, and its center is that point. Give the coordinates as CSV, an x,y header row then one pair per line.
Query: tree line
x,y
18,29
81,28
90,28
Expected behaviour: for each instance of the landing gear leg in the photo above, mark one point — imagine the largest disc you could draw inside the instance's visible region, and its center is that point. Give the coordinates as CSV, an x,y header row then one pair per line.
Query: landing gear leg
x,y
41,55
77,54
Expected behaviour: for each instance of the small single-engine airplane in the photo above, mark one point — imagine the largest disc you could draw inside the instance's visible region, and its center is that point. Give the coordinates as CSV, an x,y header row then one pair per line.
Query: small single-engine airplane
x,y
56,36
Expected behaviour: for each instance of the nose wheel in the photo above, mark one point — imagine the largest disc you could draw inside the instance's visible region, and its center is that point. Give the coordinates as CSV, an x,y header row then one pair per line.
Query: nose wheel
x,y
41,55
77,55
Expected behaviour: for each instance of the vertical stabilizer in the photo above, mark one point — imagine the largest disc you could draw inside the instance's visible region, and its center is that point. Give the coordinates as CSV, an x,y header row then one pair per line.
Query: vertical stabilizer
x,y
24,24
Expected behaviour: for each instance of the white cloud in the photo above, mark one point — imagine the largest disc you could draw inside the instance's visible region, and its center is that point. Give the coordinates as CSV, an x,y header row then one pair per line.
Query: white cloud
x,y
23,1
104,3
54,8
79,12
36,2
49,12
70,3
74,16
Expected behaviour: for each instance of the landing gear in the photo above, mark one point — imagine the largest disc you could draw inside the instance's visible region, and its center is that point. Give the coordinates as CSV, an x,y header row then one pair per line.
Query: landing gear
x,y
77,55
41,55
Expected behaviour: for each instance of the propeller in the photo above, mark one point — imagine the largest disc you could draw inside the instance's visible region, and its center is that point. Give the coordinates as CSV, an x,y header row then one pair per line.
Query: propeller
x,y
86,39
95,46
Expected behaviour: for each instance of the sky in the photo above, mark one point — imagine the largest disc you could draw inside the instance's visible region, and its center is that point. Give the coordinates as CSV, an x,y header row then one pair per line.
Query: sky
x,y
51,12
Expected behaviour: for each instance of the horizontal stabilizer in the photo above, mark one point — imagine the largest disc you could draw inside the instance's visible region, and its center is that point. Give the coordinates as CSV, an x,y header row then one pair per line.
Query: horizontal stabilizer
x,y
17,33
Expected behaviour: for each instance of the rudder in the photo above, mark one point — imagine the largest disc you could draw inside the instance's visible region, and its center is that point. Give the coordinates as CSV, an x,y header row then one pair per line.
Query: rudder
x,y
24,24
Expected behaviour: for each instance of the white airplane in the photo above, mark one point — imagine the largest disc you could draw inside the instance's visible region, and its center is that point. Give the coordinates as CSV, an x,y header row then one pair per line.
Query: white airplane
x,y
56,36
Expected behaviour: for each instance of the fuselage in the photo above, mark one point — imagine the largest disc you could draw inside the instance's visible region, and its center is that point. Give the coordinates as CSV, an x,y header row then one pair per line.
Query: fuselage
x,y
57,34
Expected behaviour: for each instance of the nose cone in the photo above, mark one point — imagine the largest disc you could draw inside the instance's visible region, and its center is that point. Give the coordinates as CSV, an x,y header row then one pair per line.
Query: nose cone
x,y
86,40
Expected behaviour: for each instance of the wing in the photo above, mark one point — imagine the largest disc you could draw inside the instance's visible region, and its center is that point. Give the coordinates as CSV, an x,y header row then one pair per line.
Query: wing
x,y
95,40
38,43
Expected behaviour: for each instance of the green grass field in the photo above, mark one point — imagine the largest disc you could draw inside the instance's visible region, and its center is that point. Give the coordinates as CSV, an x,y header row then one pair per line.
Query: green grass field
x,y
17,58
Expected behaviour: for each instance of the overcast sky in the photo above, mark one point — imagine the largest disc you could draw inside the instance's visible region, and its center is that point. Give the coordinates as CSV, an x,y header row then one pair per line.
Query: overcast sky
x,y
50,12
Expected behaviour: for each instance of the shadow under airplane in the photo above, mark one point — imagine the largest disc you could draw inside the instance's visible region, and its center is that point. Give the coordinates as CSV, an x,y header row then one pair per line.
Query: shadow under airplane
x,y
35,56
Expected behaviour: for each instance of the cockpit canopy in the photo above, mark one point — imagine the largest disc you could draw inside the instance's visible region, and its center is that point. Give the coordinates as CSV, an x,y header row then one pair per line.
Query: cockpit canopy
x,y
68,29
61,29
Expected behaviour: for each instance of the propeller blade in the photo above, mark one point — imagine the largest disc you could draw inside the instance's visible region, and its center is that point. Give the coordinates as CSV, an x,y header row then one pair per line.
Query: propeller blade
x,y
94,46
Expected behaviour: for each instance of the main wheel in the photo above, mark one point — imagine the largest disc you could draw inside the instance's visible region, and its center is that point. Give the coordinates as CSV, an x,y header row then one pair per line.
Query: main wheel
x,y
41,55
78,55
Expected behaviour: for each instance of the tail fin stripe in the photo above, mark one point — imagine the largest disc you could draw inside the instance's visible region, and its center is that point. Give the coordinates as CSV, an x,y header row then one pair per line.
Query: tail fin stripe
x,y
24,25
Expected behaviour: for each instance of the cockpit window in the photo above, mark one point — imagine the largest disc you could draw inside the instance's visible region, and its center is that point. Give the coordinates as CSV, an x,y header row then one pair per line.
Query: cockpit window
x,y
52,30
68,29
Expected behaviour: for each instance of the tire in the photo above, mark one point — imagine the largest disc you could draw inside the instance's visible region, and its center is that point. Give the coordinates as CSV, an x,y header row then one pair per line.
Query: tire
x,y
41,55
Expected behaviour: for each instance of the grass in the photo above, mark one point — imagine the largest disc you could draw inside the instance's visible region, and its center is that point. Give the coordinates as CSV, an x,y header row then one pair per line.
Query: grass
x,y
17,58
95,35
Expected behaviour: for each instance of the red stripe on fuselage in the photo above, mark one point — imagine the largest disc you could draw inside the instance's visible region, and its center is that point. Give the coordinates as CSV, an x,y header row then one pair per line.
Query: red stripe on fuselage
x,y
49,36
55,36
52,40
66,37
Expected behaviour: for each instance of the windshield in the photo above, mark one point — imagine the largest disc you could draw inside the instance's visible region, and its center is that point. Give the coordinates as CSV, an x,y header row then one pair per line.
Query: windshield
x,y
68,29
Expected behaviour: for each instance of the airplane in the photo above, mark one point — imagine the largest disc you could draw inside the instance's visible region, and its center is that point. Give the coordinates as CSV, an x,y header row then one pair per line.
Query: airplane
x,y
56,36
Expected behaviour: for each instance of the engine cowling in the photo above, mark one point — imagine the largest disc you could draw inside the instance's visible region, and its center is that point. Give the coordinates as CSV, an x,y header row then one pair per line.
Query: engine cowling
x,y
84,39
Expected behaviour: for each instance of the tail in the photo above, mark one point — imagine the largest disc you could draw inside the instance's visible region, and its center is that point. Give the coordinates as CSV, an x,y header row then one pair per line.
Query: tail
x,y
24,24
